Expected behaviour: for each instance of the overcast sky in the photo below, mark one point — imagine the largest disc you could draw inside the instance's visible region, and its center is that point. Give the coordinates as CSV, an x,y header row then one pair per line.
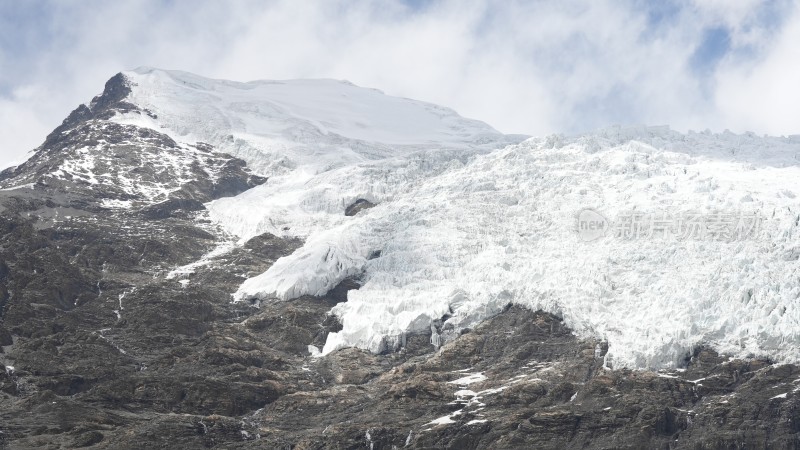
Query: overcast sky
x,y
524,67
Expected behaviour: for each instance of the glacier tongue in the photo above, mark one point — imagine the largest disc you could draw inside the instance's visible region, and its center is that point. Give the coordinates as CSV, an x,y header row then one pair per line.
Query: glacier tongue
x,y
466,224
461,242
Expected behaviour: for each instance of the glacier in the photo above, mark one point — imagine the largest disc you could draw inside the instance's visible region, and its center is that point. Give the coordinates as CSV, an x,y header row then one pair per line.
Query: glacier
x,y
468,220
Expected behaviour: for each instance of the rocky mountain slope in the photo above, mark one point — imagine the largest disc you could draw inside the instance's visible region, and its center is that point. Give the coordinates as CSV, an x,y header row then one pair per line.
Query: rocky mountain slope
x,y
118,258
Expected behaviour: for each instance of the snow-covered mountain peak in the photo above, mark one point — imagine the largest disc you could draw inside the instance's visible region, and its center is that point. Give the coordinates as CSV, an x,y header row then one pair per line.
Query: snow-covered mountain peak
x,y
314,125
465,224
654,240
93,161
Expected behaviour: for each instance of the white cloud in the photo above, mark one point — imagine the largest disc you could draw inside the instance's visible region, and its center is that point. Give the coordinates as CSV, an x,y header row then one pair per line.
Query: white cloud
x,y
765,96
20,126
529,67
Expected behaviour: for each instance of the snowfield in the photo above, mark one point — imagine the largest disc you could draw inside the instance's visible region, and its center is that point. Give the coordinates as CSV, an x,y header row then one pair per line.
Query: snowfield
x,y
296,126
468,220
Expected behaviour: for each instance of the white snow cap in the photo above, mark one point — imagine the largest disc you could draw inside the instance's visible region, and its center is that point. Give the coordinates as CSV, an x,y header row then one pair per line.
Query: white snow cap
x,y
314,125
463,230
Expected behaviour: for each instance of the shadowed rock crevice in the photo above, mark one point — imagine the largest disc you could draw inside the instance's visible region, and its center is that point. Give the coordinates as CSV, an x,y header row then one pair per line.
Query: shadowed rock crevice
x,y
358,206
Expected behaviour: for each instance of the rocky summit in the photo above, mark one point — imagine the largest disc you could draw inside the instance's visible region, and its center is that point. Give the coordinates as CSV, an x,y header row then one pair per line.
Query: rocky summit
x,y
118,327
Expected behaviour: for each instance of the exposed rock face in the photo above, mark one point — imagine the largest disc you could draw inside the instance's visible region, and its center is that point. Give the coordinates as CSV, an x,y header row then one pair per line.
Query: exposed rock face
x,y
358,206
106,345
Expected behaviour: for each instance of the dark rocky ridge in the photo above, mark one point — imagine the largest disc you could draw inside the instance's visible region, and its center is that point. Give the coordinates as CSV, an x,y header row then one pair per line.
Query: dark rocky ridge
x,y
109,352
101,107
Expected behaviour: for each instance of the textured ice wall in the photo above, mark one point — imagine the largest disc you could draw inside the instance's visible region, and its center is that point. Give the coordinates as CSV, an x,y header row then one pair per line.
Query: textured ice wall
x,y
468,239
